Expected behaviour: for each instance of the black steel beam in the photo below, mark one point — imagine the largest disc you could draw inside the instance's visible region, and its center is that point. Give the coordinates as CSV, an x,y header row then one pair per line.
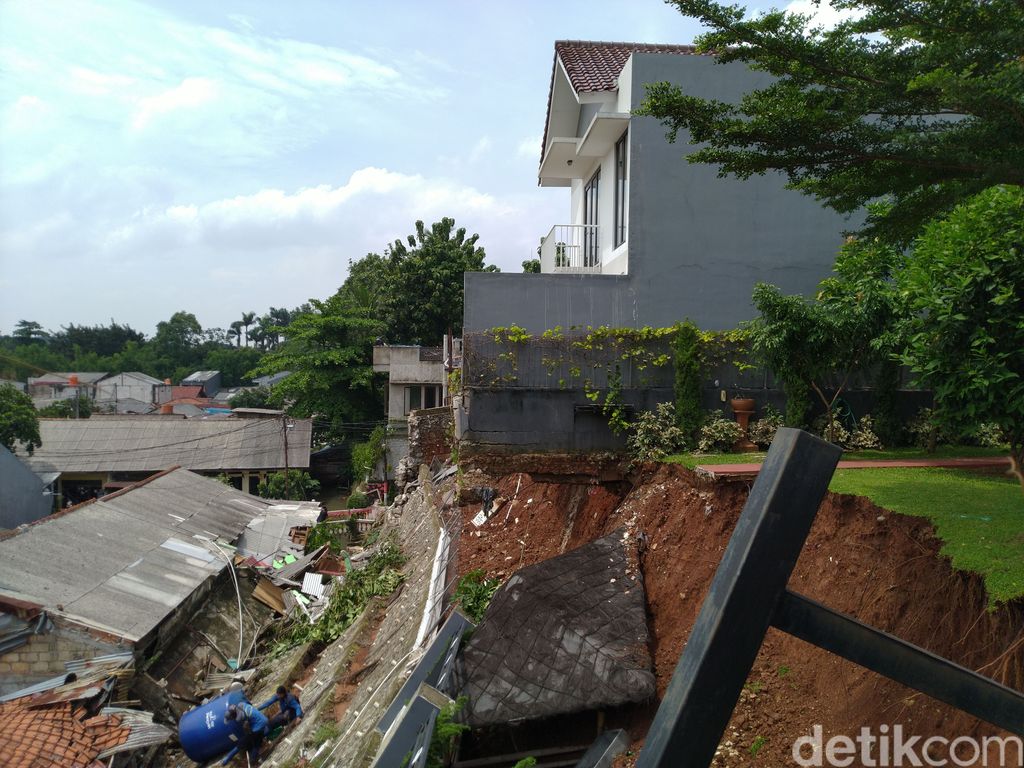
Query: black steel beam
x,y
903,662
738,609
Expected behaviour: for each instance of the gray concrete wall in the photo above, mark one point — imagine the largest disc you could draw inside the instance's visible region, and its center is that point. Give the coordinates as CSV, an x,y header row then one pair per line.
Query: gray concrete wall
x,y
540,302
21,493
698,243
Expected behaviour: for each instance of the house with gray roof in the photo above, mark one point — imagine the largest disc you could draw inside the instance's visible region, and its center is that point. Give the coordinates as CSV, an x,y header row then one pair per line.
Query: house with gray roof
x,y
104,453
121,572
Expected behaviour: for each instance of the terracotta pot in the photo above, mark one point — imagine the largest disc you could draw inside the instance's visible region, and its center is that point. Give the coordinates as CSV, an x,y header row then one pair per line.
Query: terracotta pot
x,y
743,408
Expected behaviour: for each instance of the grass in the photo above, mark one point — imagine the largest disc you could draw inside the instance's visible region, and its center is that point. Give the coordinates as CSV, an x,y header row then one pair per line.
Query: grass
x,y
691,460
980,518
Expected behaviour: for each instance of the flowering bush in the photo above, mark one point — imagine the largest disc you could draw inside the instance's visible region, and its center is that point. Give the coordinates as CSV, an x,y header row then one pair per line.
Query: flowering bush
x,y
763,430
655,434
864,437
718,435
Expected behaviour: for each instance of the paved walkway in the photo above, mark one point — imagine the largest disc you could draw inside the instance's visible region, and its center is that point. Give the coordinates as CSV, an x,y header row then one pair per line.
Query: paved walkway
x,y
747,471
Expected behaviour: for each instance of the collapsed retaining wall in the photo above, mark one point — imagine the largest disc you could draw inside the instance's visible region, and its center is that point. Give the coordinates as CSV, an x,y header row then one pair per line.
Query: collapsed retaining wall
x,y
882,568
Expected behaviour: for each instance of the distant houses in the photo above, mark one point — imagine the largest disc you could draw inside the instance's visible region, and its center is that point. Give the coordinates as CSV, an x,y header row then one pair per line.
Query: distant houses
x,y
104,453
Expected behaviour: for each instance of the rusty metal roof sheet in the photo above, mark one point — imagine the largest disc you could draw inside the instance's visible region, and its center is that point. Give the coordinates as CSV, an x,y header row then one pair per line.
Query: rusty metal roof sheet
x,y
121,564
117,444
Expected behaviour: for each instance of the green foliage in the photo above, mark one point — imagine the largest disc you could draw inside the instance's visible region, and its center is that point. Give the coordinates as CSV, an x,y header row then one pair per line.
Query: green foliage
x,y
964,288
329,353
718,434
655,434
380,577
863,438
357,500
365,456
258,397
762,431
446,733
915,100
296,485
19,422
336,534
65,409
526,762
757,744
531,266
473,593
687,358
888,424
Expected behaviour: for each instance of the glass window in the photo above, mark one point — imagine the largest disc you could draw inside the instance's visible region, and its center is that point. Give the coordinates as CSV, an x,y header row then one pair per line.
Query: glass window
x,y
413,398
621,187
590,203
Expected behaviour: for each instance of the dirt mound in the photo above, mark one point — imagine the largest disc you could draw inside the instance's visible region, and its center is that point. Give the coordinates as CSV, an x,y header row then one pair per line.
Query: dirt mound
x,y
882,568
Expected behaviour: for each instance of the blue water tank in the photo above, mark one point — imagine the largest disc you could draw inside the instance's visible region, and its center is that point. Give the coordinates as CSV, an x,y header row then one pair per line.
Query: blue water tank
x,y
202,731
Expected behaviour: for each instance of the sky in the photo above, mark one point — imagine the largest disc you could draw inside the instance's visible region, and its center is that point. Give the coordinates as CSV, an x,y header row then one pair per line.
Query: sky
x,y
228,157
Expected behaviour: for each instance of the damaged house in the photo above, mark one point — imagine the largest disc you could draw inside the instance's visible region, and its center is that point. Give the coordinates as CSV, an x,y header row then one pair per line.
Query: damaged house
x,y
124,572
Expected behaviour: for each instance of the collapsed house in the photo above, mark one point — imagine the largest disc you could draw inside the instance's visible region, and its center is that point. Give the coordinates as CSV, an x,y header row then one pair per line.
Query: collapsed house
x,y
79,719
120,573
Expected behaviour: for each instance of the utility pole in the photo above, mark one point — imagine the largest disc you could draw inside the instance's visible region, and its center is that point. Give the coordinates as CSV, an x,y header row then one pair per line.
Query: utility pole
x,y
284,431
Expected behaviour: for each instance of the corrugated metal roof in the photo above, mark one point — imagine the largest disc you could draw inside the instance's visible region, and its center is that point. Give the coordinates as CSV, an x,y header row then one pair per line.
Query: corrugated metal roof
x,y
123,563
144,444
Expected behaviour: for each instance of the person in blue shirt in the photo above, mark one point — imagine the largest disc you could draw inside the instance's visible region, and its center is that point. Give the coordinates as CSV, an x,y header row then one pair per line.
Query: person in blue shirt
x,y
290,709
256,728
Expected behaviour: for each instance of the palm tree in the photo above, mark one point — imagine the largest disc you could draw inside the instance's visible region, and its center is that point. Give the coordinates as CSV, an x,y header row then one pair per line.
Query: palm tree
x,y
247,318
235,332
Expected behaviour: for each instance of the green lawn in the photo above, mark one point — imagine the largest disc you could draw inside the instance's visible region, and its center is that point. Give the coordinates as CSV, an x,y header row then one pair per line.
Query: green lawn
x,y
691,460
980,518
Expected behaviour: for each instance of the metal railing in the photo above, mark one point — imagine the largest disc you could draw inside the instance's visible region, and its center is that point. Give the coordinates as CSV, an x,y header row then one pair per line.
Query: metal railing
x,y
573,248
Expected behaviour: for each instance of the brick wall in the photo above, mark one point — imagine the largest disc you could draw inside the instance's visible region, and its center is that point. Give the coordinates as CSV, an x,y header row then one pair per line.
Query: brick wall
x,y
43,656
430,434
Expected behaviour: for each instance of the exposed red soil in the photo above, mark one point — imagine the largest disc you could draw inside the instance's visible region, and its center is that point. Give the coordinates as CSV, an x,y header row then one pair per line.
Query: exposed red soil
x,y
882,568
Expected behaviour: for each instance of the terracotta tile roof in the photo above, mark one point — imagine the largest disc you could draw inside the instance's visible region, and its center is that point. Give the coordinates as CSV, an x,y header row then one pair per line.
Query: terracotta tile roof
x,y
177,393
58,736
593,65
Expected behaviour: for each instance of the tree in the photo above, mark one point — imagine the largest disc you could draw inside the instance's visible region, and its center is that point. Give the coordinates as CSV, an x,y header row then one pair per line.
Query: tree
x,y
68,409
176,344
329,354
430,268
917,100
806,342
964,286
28,331
235,332
100,339
257,397
531,266
19,422
247,320
296,486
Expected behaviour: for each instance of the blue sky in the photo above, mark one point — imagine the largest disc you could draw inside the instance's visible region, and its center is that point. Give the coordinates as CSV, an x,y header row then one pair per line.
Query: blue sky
x,y
225,157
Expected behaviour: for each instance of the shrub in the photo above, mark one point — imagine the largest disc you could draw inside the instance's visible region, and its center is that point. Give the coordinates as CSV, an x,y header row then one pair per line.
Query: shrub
x,y
798,402
655,434
474,592
990,435
864,437
358,500
925,430
296,485
687,360
838,433
762,431
719,434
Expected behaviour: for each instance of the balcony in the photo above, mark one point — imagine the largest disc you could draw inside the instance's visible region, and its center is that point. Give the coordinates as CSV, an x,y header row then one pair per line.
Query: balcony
x,y
571,249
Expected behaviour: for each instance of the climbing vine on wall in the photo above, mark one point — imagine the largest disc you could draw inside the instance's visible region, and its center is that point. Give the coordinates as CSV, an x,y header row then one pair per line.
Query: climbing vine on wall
x,y
603,361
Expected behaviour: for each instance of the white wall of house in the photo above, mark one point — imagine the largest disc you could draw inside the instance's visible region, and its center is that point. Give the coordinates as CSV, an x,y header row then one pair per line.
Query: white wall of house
x,y
124,386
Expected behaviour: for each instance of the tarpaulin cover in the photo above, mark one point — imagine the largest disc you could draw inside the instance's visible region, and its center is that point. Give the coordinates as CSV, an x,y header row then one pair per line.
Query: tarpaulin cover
x,y
565,635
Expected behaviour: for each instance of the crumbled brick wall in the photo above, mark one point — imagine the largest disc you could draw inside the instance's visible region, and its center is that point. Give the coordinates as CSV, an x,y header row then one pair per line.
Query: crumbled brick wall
x,y
43,656
430,435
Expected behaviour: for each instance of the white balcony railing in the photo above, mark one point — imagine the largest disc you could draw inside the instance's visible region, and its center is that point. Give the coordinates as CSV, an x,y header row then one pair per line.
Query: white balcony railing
x,y
571,248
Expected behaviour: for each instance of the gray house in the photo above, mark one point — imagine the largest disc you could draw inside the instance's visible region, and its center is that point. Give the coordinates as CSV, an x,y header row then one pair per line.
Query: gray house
x,y
24,495
648,239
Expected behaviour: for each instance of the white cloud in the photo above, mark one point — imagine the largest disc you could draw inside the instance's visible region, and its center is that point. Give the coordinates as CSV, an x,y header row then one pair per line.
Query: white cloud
x,y
530,147
480,149
191,93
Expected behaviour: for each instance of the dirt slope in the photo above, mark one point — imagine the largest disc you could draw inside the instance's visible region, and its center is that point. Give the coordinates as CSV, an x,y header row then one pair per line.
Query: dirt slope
x,y
880,567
